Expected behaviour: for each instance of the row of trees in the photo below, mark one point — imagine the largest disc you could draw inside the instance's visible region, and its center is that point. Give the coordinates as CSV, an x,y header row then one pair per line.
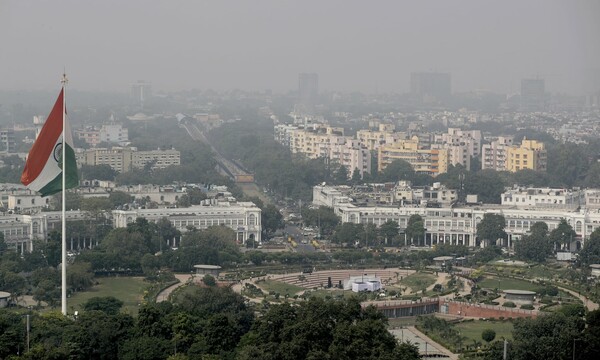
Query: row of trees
x,y
207,323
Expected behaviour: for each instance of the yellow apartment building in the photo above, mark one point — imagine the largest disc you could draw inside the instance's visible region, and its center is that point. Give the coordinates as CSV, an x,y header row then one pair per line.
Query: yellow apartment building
x,y
531,154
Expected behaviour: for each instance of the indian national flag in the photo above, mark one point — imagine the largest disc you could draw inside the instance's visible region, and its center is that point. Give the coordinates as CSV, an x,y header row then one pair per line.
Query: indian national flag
x,y
43,168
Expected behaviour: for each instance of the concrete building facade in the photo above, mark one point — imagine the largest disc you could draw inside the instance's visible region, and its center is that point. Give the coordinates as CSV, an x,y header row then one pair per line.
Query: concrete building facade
x,y
127,159
242,217
424,161
494,155
531,154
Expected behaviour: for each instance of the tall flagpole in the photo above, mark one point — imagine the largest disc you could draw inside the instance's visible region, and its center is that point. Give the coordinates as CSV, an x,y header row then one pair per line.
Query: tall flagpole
x,y
64,198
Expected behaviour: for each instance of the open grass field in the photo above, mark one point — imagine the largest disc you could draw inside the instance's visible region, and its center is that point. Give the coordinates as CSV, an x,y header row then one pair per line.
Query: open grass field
x,y
506,283
333,293
279,287
130,290
473,329
418,281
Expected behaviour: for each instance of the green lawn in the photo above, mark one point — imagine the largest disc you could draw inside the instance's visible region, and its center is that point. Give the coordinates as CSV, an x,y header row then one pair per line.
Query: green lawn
x,y
279,287
130,290
333,293
473,329
507,284
418,281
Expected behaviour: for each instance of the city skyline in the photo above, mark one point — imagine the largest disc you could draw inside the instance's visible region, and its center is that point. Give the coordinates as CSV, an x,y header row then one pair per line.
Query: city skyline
x,y
352,46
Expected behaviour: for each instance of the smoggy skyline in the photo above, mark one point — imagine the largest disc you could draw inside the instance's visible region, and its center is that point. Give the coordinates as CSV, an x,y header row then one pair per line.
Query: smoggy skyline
x,y
257,45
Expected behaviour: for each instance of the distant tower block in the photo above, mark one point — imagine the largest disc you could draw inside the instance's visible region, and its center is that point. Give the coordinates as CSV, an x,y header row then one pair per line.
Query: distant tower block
x,y
308,90
431,86
533,92
141,92
7,141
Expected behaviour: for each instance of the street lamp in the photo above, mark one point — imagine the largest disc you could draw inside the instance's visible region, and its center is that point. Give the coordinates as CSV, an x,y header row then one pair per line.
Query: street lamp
x,y
574,340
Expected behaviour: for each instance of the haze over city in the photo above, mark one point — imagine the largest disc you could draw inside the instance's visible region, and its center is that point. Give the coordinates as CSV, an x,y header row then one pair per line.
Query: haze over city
x,y
352,45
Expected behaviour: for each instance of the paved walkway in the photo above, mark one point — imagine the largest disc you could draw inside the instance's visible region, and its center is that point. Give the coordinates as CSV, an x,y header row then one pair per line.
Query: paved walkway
x,y
424,343
183,279
441,279
589,304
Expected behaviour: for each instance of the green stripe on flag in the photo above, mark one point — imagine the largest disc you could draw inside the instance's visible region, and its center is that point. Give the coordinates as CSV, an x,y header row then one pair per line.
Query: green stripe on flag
x,y
71,180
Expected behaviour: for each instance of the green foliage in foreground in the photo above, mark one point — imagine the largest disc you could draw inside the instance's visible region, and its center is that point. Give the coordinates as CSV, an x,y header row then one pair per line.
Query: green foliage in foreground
x,y
207,323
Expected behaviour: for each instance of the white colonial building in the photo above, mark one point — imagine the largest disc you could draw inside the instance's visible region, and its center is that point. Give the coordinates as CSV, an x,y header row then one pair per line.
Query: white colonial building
x,y
20,230
458,225
242,217
544,198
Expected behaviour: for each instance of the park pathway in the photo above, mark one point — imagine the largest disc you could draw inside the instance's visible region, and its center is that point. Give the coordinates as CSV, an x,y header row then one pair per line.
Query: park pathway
x,y
589,304
183,279
438,348
441,279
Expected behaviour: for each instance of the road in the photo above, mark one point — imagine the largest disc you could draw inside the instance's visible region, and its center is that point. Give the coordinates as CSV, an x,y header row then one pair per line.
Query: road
x,y
297,233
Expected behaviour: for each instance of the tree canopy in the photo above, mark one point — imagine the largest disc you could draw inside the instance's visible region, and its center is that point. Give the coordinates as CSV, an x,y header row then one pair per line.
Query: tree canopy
x,y
491,228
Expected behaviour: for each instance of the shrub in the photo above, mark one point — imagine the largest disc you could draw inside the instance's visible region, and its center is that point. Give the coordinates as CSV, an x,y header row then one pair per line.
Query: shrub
x,y
209,280
488,335
527,307
510,304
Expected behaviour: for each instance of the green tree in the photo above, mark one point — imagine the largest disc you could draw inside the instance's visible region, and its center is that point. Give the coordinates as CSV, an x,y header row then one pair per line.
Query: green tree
x,y
488,335
215,245
356,177
145,348
589,346
347,233
150,265
562,235
545,337
107,304
126,246
47,291
11,333
491,228
80,276
98,172
95,205
209,280
3,245
397,170
590,254
73,201
271,220
486,184
340,174
407,351
323,329
415,230
485,255
119,198
324,217
389,231
567,164
535,246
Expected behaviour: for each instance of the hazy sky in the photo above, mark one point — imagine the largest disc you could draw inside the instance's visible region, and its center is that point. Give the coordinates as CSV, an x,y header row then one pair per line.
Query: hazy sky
x,y
353,45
